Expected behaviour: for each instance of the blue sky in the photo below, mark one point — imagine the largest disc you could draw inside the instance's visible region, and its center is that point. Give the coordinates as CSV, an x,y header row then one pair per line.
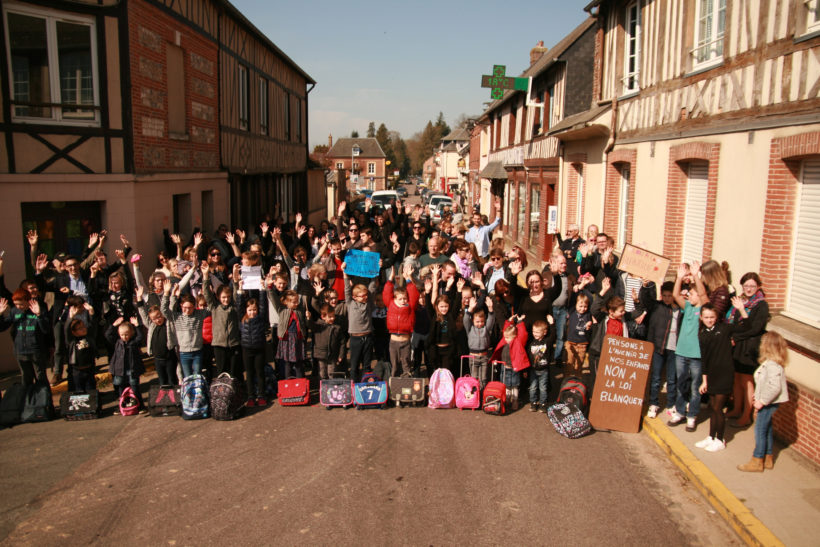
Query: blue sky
x,y
400,63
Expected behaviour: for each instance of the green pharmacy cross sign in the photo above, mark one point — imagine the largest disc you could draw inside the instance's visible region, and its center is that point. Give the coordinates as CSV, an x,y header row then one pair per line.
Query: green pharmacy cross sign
x,y
498,82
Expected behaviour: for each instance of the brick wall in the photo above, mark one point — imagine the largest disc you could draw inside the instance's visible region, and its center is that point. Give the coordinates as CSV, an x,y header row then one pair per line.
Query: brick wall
x,y
676,196
580,58
612,193
150,31
781,199
797,422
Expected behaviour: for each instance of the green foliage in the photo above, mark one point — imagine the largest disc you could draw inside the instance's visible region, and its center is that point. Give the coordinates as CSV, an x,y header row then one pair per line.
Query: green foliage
x,y
371,130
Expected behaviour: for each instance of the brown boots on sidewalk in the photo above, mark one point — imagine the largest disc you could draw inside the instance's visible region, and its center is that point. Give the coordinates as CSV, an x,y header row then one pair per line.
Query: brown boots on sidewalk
x,y
758,464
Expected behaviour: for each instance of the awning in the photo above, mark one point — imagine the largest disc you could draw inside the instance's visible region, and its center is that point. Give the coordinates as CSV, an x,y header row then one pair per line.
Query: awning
x,y
494,170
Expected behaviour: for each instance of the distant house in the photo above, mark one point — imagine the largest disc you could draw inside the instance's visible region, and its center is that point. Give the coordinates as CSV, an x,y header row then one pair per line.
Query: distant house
x,y
451,146
366,159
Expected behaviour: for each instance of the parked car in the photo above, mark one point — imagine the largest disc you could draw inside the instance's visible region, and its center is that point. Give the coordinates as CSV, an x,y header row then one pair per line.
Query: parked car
x,y
436,199
366,192
437,212
384,197
401,191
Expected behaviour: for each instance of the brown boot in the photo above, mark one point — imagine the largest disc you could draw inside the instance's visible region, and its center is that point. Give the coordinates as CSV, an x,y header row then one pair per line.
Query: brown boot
x,y
768,462
754,465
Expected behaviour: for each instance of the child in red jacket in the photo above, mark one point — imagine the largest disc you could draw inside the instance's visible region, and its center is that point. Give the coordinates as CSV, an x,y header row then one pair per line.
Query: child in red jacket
x,y
401,305
512,350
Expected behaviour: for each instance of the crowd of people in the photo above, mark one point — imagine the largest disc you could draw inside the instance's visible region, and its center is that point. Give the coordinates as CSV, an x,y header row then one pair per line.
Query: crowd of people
x,y
445,295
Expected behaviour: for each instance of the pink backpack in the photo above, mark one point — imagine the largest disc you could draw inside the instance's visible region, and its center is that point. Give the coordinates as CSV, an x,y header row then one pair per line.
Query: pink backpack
x,y
442,389
129,404
468,389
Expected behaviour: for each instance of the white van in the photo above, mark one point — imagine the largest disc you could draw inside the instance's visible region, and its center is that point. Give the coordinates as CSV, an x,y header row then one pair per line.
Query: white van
x,y
383,197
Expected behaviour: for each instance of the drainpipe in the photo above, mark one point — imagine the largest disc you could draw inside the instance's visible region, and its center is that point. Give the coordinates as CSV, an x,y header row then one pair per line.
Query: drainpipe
x,y
610,144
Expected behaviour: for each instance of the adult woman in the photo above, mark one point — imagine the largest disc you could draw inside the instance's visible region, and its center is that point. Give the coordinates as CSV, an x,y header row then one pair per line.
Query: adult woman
x,y
750,316
534,302
717,287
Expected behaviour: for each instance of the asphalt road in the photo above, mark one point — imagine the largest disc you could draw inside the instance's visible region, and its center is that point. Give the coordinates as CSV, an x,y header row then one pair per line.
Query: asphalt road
x,y
304,475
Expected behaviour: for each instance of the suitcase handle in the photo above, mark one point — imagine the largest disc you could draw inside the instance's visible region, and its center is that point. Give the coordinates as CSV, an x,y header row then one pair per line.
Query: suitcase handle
x,y
492,368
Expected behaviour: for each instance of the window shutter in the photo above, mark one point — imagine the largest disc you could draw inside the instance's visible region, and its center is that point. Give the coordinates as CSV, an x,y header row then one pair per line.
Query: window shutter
x,y
695,221
804,298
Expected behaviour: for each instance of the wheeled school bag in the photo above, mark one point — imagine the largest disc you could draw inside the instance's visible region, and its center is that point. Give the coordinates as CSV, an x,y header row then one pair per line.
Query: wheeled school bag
x,y
294,392
80,405
574,390
336,391
409,391
468,389
194,394
568,420
129,404
11,407
442,389
494,399
370,392
38,406
227,396
164,401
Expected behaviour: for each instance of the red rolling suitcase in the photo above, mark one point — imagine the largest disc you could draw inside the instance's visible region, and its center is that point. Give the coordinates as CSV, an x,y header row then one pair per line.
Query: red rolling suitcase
x,y
494,400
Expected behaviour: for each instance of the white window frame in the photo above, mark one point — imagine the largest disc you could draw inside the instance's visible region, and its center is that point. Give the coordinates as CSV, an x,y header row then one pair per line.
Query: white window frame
x,y
340,165
798,264
632,47
263,106
623,202
52,17
371,168
708,50
243,106
812,15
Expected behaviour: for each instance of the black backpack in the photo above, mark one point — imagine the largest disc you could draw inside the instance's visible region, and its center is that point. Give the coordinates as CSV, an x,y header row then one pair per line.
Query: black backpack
x,y
12,405
227,397
39,406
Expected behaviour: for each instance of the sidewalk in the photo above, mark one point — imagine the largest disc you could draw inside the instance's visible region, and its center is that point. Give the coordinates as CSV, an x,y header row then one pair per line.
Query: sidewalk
x,y
777,507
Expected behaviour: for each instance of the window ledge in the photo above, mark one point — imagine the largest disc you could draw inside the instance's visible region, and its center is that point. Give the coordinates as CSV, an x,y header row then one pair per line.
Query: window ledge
x,y
629,94
705,67
808,36
179,136
798,334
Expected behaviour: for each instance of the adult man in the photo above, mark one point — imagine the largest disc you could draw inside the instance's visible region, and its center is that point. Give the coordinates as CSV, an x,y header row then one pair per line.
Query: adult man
x,y
569,246
557,268
480,235
434,254
600,262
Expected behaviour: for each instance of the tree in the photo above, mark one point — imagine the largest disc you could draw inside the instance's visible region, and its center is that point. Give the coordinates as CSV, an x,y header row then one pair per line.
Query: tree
x,y
371,130
354,134
441,126
383,137
320,149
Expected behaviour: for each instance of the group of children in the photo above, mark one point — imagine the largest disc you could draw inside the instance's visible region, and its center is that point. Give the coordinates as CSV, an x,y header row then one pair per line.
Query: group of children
x,y
283,295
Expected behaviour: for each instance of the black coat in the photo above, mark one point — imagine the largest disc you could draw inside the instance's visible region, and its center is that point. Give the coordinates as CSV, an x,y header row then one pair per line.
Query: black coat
x,y
716,355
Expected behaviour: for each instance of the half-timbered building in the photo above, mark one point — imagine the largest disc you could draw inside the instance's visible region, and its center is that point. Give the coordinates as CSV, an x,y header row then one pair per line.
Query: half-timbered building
x,y
519,160
703,141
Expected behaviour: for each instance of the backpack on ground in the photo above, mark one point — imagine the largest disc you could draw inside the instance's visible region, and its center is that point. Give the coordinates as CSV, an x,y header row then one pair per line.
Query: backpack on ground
x,y
568,420
11,407
442,389
80,405
227,397
194,394
39,406
574,390
164,401
129,404
293,392
371,391
468,389
494,399
336,391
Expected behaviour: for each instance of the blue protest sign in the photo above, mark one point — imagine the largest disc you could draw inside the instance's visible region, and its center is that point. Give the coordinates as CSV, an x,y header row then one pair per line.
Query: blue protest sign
x,y
362,263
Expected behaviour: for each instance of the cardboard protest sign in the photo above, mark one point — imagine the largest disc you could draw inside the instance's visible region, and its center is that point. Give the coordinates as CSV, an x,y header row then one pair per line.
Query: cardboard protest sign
x,y
362,263
642,263
252,278
617,399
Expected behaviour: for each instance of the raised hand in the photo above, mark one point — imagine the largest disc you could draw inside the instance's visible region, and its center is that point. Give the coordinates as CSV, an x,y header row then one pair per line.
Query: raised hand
x,y
166,287
93,239
342,207
177,289
435,269
117,321
32,237
408,209
264,227
317,286
606,284
124,241
407,270
550,320
89,308
516,267
277,232
695,268
682,271
41,263
460,283
394,237
4,306
176,239
428,285
197,239
241,235
300,231
237,272
473,303
95,268
140,290
120,255
229,237
204,269
298,218
134,321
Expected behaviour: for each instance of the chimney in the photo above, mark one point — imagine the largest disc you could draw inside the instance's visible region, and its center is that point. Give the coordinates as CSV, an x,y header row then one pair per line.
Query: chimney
x,y
330,141
537,51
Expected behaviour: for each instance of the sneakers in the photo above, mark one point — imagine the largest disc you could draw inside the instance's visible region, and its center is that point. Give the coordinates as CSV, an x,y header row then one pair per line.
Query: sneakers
x,y
716,446
251,403
691,425
261,401
533,407
674,417
705,442
544,408
653,411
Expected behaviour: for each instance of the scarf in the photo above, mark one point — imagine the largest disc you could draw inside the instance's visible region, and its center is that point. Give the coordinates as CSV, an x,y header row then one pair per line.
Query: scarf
x,y
756,299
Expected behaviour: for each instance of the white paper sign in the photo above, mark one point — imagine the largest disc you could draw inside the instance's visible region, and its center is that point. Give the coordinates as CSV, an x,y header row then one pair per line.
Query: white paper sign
x,y
552,219
252,278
